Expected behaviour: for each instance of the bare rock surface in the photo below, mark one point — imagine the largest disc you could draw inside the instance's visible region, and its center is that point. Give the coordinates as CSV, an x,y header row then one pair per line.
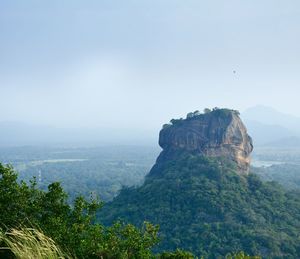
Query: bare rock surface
x,y
219,133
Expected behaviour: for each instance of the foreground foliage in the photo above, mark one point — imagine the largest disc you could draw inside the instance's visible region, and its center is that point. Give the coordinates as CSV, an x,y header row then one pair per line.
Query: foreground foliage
x,y
71,227
60,230
30,243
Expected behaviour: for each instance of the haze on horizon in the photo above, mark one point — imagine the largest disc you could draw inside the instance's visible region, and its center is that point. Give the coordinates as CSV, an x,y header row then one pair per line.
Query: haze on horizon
x,y
140,63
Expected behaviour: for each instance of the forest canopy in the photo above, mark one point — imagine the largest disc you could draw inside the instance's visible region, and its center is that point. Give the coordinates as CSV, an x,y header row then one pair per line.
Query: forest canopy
x,y
46,216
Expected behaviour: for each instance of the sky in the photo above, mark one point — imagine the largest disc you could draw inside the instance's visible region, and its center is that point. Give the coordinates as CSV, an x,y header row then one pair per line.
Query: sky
x,y
137,64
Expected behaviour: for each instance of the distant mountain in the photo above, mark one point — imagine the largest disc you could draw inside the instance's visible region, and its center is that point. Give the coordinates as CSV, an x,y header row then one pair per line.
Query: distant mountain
x,y
270,116
17,133
201,199
20,134
267,125
289,142
263,133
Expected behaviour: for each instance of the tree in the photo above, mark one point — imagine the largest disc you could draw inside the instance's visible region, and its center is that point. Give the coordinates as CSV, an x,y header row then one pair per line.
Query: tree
x,y
72,227
178,254
207,110
190,115
196,113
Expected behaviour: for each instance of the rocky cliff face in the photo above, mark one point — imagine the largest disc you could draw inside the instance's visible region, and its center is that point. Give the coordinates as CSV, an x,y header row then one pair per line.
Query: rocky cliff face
x,y
219,133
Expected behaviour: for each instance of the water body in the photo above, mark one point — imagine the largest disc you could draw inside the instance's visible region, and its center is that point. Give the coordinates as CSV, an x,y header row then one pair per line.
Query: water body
x,y
263,163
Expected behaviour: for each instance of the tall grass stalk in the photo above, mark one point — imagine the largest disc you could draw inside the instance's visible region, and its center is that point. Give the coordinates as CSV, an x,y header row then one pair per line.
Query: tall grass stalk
x,y
30,243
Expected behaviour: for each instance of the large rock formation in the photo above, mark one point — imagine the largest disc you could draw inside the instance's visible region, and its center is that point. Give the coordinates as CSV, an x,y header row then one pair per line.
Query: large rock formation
x,y
219,133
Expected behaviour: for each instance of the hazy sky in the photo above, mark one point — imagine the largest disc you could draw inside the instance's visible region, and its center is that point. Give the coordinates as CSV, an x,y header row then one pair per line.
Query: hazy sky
x,y
137,64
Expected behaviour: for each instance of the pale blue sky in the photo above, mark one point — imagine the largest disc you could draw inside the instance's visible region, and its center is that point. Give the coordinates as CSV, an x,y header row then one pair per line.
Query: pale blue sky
x,y
136,64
